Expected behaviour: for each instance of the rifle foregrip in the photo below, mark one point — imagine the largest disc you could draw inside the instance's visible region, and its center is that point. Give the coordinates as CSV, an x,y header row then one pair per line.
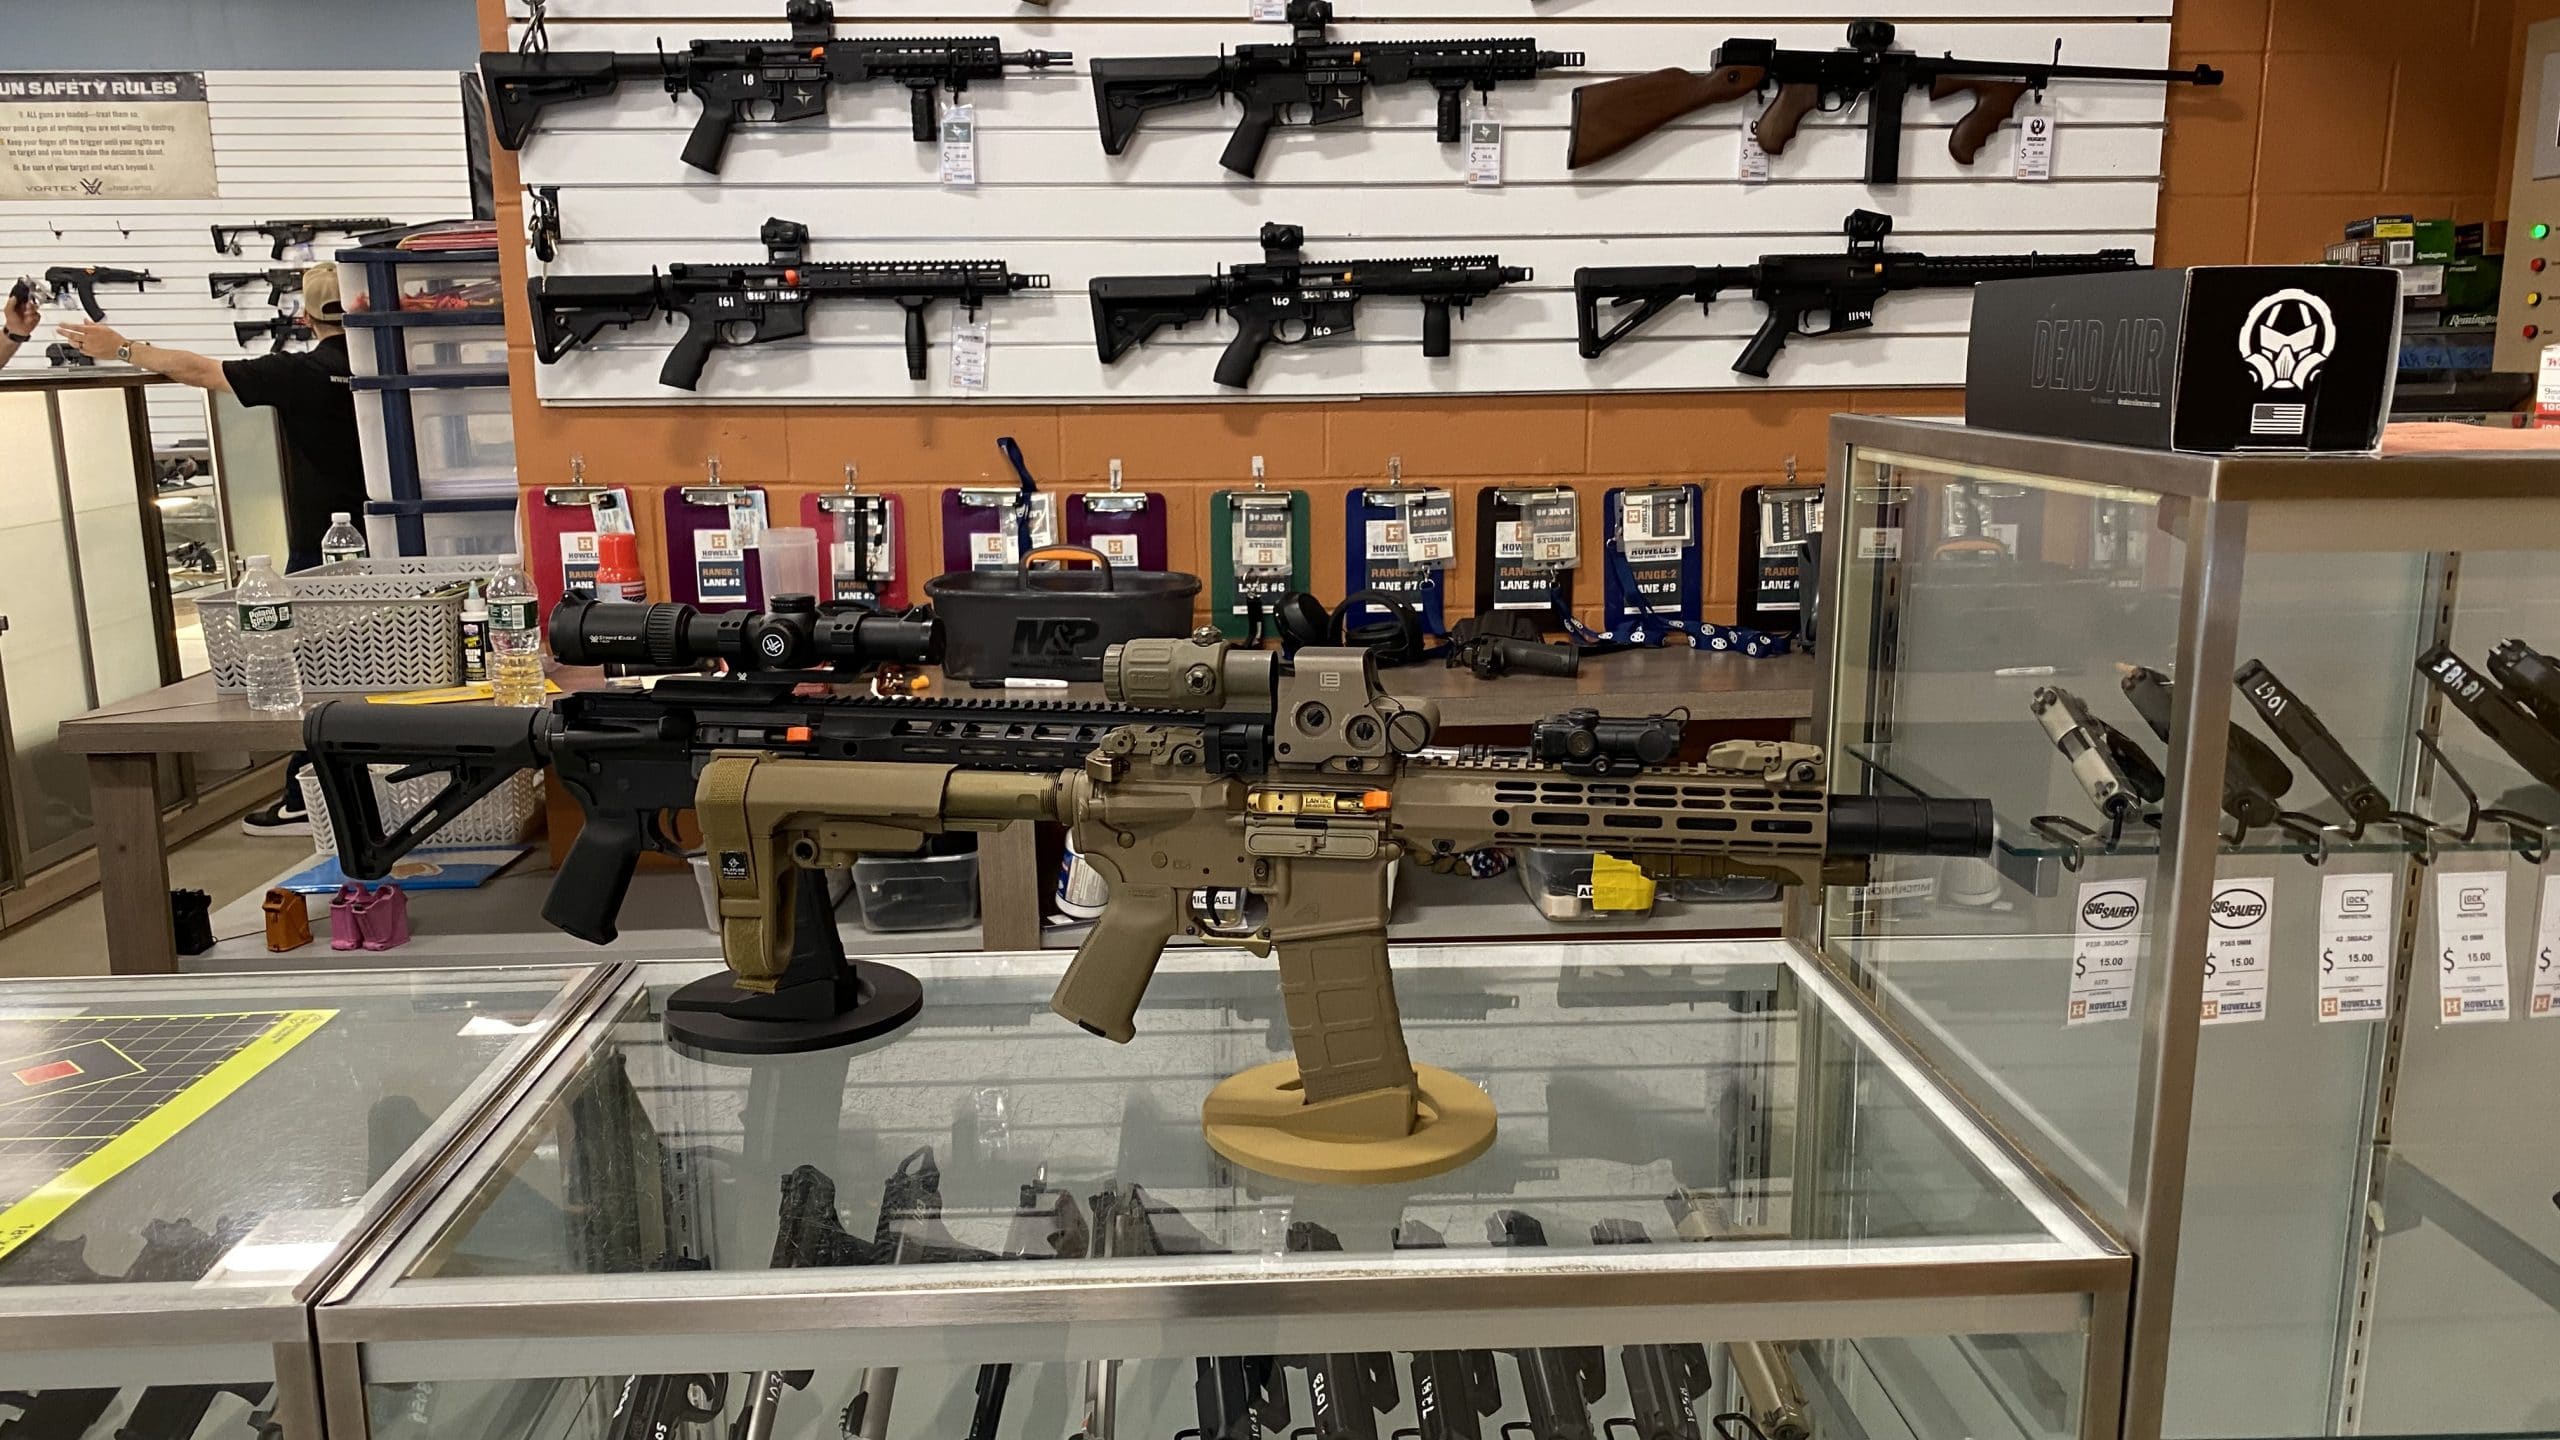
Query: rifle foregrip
x,y
922,119
1114,965
1435,329
1453,110
709,141
1244,148
1994,101
915,340
692,351
1778,124
1236,362
586,895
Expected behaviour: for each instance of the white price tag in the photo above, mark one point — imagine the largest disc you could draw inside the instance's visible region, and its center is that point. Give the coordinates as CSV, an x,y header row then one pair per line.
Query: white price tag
x,y
1431,529
2035,143
2546,399
2238,951
1270,10
1880,542
1260,540
1484,155
969,356
1653,525
747,519
2471,946
2105,941
2356,922
1554,530
1120,549
2546,953
960,146
1755,161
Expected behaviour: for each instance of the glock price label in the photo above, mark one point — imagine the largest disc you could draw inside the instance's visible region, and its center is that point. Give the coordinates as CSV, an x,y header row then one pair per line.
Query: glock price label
x,y
2238,949
2356,922
2106,940
2035,142
2471,946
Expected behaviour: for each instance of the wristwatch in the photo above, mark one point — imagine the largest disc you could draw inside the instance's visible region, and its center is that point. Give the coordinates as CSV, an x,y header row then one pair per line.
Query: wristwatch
x,y
13,337
124,352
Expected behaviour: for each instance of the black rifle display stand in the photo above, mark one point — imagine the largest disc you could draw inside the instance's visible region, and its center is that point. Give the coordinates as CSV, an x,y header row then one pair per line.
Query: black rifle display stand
x,y
824,999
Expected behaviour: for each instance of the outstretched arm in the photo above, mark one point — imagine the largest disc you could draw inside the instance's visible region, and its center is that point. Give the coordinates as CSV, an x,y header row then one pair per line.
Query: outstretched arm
x,y
18,324
100,342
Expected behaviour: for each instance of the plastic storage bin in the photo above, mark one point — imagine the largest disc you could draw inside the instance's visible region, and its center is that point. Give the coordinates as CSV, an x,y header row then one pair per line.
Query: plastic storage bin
x,y
924,892
468,285
363,625
500,817
441,350
1560,884
466,444
451,533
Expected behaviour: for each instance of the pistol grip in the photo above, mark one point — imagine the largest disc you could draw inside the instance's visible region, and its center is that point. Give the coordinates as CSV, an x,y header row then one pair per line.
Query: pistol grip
x,y
1112,968
586,895
683,369
1777,124
1766,342
1994,101
709,141
1244,148
1236,362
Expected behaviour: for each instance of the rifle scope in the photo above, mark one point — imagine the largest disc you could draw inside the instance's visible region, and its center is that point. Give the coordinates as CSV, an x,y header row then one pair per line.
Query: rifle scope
x,y
795,634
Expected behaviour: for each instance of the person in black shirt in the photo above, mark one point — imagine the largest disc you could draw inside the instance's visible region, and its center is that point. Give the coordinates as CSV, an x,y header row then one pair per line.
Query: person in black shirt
x,y
317,413
308,392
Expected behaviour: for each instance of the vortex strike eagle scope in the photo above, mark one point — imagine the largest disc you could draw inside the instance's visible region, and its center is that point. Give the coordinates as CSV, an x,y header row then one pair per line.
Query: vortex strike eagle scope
x,y
793,635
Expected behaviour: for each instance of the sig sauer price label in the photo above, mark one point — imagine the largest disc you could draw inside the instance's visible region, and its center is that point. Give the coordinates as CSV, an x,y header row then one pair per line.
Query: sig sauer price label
x,y
2106,940
2238,950
2471,946
2356,922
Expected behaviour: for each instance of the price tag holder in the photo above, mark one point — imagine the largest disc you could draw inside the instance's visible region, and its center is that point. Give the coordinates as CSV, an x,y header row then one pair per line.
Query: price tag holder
x,y
2546,954
2239,950
2105,942
1431,529
2036,126
2471,946
1484,155
1755,161
2356,921
995,549
747,519
1260,540
969,356
1269,11
960,147
1554,524
1654,525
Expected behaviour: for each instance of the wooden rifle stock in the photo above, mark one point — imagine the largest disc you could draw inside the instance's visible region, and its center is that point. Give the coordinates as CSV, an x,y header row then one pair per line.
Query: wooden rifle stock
x,y
1614,114
1993,102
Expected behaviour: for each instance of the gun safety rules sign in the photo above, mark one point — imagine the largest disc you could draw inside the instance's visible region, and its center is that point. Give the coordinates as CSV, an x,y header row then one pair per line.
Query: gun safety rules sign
x,y
105,136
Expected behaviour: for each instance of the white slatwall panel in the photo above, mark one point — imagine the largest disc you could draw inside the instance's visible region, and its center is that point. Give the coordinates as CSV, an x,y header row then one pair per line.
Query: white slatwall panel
x,y
1049,200
288,144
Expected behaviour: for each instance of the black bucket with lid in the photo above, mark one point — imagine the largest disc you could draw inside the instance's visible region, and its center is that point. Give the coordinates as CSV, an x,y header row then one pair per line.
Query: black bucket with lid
x,y
1053,624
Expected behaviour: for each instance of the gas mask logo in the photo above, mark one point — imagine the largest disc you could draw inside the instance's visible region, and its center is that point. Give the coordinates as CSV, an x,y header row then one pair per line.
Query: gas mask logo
x,y
2288,336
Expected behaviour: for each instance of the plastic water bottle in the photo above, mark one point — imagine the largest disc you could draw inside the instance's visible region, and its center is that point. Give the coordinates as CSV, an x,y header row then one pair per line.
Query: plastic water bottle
x,y
515,639
343,541
265,610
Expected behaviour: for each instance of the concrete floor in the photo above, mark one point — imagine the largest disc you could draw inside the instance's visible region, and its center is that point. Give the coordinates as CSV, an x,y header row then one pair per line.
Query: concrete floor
x,y
222,862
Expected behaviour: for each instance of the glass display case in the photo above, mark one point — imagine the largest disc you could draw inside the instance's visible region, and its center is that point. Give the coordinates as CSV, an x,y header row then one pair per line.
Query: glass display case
x,y
2259,970
1720,1188
185,1163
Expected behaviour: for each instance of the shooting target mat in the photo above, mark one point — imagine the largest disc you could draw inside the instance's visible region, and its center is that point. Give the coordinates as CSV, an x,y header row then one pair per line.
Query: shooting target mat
x,y
84,1097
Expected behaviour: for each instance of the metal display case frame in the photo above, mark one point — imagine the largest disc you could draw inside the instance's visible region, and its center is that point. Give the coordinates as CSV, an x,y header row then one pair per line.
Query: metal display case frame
x,y
382,1324
183,1333
2222,509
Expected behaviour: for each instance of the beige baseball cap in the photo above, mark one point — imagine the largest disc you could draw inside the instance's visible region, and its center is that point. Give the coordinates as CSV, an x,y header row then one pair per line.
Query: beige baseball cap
x,y
320,292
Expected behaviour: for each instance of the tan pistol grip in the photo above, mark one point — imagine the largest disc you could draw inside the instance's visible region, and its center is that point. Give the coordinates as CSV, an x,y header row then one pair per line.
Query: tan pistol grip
x,y
1112,968
1777,124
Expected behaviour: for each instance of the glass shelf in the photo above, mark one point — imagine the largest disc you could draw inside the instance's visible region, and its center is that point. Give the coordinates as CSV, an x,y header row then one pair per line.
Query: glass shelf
x,y
1644,1082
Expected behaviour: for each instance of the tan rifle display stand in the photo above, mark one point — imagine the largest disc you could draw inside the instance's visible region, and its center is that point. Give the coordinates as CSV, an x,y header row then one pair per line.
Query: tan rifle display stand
x,y
1262,1120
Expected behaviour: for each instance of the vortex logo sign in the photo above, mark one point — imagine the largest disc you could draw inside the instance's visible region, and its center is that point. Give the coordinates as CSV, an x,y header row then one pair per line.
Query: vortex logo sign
x,y
2110,910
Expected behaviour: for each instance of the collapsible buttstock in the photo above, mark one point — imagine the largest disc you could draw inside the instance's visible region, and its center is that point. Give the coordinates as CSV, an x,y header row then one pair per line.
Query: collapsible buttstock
x,y
1128,309
1994,101
1778,124
1125,90
522,86
1614,114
